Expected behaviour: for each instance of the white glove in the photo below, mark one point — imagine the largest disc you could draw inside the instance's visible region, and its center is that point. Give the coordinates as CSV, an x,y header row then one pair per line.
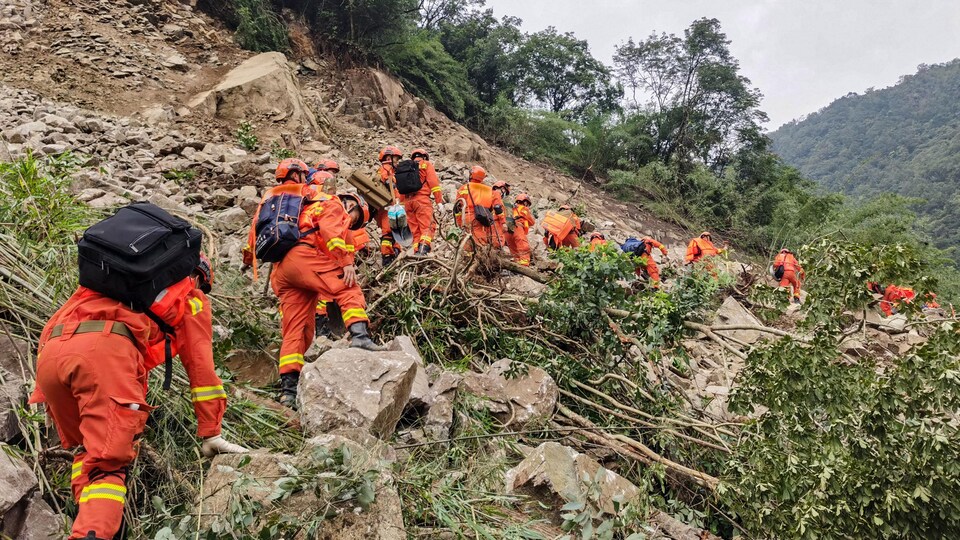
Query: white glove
x,y
218,445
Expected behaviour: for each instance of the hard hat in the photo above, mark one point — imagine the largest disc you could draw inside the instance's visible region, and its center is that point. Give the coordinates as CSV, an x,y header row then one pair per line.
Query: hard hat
x,y
390,151
328,165
419,152
566,207
500,184
364,209
319,177
523,197
288,166
706,233
598,235
477,174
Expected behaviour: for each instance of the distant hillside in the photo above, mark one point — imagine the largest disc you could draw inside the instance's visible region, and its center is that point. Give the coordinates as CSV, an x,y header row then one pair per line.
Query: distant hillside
x,y
904,139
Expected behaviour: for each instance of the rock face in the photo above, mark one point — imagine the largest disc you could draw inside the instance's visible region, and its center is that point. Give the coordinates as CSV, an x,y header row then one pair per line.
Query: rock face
x,y
16,479
228,481
355,388
519,400
32,519
13,392
262,85
733,313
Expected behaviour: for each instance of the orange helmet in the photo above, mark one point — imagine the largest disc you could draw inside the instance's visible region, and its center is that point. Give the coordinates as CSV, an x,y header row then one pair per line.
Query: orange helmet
x,y
566,207
500,184
288,166
706,234
874,287
319,177
390,151
596,235
205,271
419,152
364,209
523,198
477,174
328,165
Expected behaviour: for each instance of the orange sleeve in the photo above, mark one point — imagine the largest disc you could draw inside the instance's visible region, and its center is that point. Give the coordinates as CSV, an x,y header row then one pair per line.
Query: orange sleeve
x,y
194,342
527,216
661,247
333,225
691,251
433,181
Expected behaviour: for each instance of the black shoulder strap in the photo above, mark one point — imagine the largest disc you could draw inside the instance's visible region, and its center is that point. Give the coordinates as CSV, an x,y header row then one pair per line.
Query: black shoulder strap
x,y
168,333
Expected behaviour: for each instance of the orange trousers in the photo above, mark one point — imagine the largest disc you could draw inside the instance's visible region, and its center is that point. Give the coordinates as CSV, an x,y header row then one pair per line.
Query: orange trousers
x,y
486,236
301,280
90,382
790,279
570,241
419,209
387,246
519,246
652,270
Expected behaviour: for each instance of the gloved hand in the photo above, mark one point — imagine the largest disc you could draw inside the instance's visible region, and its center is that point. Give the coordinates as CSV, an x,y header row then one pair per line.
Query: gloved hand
x,y
218,445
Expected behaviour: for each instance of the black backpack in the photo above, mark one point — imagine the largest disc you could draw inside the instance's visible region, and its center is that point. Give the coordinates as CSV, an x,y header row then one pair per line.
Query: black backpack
x,y
278,226
778,271
407,176
135,254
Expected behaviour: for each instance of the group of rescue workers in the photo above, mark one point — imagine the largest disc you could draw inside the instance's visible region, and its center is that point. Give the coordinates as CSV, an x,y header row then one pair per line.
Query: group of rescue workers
x,y
95,352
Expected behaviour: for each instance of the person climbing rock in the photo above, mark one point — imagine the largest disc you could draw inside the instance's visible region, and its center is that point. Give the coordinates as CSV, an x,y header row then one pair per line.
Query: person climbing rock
x,y
561,228
419,204
893,296
389,157
597,239
92,365
701,248
642,253
523,220
479,209
791,274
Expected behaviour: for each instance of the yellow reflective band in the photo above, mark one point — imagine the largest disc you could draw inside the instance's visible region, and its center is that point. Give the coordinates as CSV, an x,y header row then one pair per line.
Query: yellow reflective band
x,y
321,304
436,189
291,359
351,248
196,305
110,492
386,243
77,469
426,239
423,165
354,313
337,243
206,393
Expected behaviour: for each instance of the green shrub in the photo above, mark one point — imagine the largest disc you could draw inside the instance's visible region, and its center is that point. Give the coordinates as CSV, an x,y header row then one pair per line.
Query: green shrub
x,y
259,27
246,138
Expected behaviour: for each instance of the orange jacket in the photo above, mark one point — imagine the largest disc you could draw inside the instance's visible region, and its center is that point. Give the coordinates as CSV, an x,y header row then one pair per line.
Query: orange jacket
x,y
597,242
698,248
789,263
386,172
430,180
475,193
334,240
892,297
183,307
523,218
653,244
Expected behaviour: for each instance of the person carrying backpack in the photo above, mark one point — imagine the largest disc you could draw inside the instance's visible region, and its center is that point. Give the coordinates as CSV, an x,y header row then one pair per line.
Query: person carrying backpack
x,y
561,228
135,309
787,269
597,239
702,247
522,221
389,158
479,209
419,189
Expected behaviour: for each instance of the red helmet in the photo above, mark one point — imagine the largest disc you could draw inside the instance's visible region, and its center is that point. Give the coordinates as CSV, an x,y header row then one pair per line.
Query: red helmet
x,y
477,174
596,235
500,184
419,152
364,209
205,272
523,198
390,151
288,166
319,177
328,165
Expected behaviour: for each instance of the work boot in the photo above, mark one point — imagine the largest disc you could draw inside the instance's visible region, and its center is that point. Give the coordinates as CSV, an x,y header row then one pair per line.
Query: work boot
x,y
796,299
288,389
91,535
323,330
361,339
423,249
388,260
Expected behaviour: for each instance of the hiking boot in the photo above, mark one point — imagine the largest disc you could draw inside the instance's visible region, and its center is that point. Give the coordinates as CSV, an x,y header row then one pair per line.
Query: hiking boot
x,y
288,389
323,330
422,250
796,300
360,339
388,260
91,536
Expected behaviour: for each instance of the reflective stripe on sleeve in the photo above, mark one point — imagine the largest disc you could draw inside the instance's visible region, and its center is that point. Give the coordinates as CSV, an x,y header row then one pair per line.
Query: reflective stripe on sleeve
x,y
336,243
76,470
206,393
196,306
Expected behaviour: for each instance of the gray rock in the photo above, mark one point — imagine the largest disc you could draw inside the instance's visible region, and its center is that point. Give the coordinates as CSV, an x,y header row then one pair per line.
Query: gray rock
x,y
231,220
108,200
24,132
516,401
14,365
733,313
16,478
50,149
32,519
357,389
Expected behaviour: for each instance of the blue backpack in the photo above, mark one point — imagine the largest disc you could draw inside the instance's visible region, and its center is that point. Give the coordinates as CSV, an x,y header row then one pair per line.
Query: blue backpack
x,y
278,226
632,246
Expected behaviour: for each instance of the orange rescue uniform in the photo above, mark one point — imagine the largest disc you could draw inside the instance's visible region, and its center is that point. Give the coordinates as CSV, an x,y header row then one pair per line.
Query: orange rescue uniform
x,y
793,273
893,296
388,247
474,194
419,205
518,240
92,365
650,265
700,248
570,240
596,243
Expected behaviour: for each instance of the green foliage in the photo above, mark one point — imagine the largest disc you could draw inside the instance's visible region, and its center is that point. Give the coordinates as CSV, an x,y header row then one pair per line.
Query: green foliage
x,y
586,519
259,28
428,68
849,449
181,177
246,137
279,153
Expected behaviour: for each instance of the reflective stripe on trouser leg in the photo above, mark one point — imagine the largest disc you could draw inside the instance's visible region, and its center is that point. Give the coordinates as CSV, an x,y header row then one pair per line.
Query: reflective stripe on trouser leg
x,y
100,506
322,307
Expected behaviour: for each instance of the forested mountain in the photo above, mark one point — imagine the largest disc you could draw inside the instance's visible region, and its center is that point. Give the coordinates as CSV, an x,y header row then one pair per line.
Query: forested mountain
x,y
904,139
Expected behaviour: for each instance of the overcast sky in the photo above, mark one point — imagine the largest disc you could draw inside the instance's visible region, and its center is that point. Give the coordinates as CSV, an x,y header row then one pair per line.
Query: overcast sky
x,y
801,54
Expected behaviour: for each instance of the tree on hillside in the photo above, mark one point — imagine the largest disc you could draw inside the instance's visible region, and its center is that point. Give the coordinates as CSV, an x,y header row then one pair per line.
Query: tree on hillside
x,y
487,48
434,13
558,71
704,109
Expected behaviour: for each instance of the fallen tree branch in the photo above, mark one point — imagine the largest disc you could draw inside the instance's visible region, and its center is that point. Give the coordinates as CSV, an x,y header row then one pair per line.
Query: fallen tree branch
x,y
719,340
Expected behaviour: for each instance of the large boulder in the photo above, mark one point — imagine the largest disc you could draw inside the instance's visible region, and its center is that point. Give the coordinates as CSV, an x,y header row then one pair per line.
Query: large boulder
x,y
13,390
32,519
517,394
354,388
16,479
262,86
733,313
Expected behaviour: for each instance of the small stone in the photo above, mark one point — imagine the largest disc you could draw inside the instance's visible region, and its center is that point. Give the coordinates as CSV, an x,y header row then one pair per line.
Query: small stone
x,y
23,132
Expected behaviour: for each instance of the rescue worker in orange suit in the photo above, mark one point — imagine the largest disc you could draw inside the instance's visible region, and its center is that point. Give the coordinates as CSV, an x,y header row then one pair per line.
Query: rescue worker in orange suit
x,y
793,274
332,167
419,205
571,239
319,176
389,157
509,223
893,295
320,266
597,239
650,266
472,196
702,247
522,221
92,365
